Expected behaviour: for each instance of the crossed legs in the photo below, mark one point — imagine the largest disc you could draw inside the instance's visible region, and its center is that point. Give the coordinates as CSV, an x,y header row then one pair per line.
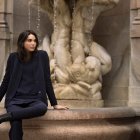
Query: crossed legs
x,y
23,111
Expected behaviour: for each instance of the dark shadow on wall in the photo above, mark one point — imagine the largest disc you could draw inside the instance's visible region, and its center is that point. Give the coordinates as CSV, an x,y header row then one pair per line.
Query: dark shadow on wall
x,y
112,31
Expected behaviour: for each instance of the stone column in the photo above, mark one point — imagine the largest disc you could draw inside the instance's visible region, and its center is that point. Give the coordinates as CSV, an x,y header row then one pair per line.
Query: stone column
x,y
134,87
4,38
4,35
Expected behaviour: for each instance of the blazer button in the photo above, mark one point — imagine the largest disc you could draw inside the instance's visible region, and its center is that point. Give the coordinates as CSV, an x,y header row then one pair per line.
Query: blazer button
x,y
39,92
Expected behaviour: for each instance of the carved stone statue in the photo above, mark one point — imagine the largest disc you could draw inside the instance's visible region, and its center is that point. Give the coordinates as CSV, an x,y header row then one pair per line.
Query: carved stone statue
x,y
77,62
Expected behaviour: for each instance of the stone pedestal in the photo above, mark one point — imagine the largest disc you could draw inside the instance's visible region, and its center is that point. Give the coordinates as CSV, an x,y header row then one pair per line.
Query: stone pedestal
x,y
82,104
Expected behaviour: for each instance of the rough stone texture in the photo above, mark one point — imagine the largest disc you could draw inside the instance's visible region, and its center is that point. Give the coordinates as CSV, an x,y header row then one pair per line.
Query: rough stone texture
x,y
80,124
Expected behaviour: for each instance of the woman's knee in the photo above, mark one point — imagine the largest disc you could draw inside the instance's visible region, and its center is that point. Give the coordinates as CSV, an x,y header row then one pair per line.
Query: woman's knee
x,y
43,108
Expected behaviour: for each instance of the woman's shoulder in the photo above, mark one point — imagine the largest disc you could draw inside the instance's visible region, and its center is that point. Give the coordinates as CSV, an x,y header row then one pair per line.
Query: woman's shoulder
x,y
11,58
42,53
12,55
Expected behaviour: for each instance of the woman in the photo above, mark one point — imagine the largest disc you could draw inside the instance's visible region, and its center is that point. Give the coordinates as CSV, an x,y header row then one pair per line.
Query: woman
x,y
26,82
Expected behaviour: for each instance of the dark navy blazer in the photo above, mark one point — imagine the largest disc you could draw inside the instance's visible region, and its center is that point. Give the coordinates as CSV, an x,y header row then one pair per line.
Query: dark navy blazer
x,y
13,74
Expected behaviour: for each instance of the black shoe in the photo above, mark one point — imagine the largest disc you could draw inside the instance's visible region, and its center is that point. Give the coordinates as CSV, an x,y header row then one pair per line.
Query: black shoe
x,y
5,117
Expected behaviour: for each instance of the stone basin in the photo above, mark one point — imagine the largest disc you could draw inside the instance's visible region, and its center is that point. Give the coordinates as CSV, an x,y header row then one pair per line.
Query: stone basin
x,y
118,123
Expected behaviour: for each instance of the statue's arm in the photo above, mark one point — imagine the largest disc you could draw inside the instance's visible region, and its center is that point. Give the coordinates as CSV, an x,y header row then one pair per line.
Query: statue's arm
x,y
99,52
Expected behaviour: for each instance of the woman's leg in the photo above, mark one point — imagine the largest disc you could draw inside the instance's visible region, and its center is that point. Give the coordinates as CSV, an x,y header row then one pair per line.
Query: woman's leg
x,y
17,112
24,111
29,110
16,132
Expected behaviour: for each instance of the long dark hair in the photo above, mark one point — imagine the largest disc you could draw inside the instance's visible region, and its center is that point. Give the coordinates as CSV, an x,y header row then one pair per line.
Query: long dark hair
x,y
22,53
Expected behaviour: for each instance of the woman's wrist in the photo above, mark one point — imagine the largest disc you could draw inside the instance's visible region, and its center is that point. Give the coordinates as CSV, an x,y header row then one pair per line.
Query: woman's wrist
x,y
60,107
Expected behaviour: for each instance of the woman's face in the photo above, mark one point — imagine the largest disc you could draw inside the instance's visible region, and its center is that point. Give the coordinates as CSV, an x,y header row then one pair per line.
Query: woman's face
x,y
30,43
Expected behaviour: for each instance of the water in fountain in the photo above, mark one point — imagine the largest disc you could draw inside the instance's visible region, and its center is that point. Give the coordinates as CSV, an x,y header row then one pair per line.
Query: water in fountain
x,y
92,9
55,31
37,18
54,18
29,14
73,12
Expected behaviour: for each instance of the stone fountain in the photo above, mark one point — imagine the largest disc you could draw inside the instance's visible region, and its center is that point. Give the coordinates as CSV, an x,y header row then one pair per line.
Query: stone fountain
x,y
77,64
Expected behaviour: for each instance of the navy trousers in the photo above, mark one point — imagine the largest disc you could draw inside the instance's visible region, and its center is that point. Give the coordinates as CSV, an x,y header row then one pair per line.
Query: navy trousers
x,y
21,111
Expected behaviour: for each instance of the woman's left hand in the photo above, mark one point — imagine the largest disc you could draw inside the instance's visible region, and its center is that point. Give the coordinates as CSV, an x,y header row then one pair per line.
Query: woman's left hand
x,y
60,107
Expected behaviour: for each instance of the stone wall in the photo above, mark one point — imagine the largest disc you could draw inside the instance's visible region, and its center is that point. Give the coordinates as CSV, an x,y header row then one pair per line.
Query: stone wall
x,y
5,31
134,87
112,32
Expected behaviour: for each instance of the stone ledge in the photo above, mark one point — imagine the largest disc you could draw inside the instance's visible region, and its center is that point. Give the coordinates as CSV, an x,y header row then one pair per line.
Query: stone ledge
x,y
81,104
117,123
137,110
85,114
